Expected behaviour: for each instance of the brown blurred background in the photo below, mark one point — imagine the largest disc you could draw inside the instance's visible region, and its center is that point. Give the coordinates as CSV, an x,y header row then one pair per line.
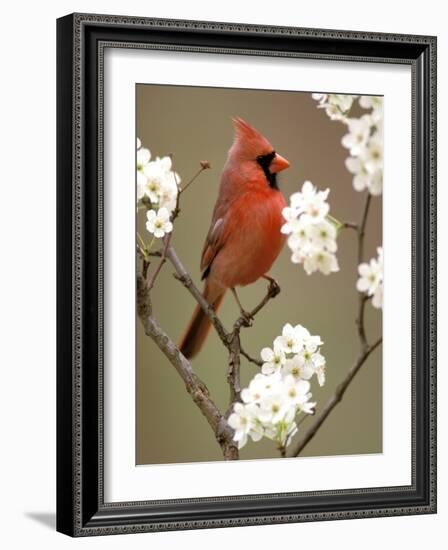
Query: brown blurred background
x,y
195,124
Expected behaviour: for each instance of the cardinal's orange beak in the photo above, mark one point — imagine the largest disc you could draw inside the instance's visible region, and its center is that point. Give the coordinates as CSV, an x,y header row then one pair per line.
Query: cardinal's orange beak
x,y
278,164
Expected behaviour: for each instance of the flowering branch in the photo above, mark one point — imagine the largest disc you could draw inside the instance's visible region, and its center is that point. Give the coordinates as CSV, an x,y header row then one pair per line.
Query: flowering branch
x,y
366,350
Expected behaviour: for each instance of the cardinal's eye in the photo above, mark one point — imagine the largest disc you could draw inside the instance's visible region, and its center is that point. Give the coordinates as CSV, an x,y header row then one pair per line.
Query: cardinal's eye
x,y
265,160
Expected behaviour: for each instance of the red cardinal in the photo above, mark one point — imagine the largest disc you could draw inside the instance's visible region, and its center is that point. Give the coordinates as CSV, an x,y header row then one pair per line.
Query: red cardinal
x,y
244,238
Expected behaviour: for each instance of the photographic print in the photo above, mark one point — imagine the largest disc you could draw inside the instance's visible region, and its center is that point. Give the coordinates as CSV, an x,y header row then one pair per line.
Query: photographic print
x,y
259,266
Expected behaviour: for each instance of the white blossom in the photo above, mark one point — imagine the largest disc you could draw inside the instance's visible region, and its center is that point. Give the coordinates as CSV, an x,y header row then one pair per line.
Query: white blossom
x,y
295,367
310,203
273,359
364,138
290,341
319,366
366,160
320,260
273,408
274,397
296,391
376,183
324,235
370,279
301,236
362,178
143,158
167,196
372,155
310,342
292,225
311,236
244,421
160,180
371,102
358,135
336,105
255,391
377,298
159,223
321,98
156,180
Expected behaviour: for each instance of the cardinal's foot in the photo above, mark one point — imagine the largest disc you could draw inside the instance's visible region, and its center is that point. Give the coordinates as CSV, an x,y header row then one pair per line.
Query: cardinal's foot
x,y
273,288
247,318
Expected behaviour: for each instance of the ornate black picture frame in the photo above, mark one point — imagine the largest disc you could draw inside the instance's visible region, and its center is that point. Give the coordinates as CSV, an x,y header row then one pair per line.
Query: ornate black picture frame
x,y
81,509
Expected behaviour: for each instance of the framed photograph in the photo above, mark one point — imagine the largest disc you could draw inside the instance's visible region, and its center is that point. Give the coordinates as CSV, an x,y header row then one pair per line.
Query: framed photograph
x,y
246,274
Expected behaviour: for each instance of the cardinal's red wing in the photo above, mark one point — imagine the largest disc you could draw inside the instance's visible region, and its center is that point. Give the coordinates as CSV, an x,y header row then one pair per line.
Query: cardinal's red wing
x,y
213,244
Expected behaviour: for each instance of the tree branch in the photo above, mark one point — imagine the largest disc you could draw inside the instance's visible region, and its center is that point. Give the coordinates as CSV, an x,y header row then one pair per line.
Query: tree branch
x,y
233,370
334,400
362,297
362,228
365,351
231,340
153,278
234,347
194,385
182,276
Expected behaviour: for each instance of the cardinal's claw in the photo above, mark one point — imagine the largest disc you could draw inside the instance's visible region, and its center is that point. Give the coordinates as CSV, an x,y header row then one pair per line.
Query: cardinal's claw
x,y
247,318
274,288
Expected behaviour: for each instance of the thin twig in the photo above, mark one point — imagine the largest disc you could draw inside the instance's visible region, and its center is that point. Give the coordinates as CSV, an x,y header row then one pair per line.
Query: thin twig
x,y
166,243
362,228
350,225
334,400
205,165
155,253
304,417
251,359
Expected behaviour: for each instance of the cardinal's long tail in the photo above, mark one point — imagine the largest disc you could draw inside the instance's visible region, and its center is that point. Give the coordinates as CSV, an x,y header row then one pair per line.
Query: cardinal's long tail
x,y
199,326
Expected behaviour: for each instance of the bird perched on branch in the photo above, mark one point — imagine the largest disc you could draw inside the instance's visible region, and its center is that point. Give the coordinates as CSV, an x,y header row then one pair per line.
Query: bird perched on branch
x,y
244,238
